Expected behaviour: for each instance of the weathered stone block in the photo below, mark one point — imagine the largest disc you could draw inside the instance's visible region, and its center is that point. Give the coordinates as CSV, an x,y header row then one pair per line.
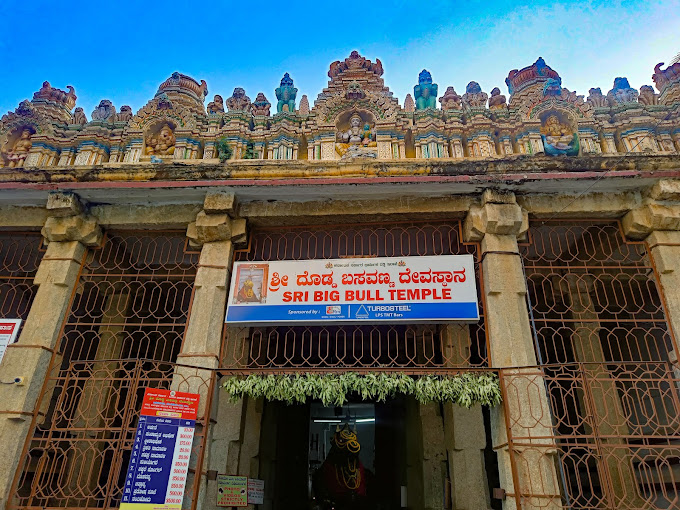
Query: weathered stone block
x,y
639,223
239,233
665,189
494,218
209,228
503,219
474,226
492,196
83,229
219,202
60,204
665,247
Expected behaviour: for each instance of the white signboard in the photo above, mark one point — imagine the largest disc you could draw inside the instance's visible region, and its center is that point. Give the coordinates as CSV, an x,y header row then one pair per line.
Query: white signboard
x,y
386,289
255,491
9,329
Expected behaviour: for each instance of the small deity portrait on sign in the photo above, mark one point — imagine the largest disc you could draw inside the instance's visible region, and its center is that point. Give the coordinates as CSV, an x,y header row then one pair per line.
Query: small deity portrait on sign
x,y
558,134
251,284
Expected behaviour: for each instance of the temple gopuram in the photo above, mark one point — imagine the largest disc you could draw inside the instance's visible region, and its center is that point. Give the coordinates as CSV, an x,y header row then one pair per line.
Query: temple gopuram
x,y
455,301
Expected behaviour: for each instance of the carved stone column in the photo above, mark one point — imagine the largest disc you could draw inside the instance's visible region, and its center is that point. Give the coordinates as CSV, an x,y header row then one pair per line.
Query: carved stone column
x,y
216,230
68,232
426,456
658,223
497,223
97,407
464,437
605,409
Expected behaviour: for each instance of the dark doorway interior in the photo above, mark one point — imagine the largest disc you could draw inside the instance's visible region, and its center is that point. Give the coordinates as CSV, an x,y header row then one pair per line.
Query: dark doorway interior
x,y
296,440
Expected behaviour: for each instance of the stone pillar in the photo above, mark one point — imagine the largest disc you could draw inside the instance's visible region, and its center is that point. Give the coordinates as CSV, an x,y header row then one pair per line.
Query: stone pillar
x,y
426,458
497,224
464,436
608,416
216,230
658,223
69,232
96,407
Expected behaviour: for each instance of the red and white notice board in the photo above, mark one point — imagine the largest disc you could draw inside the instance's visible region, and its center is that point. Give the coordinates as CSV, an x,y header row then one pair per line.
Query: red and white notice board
x,y
9,329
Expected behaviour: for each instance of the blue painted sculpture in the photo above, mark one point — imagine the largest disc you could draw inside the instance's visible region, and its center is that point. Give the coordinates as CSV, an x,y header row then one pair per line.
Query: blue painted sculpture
x,y
286,95
558,138
425,92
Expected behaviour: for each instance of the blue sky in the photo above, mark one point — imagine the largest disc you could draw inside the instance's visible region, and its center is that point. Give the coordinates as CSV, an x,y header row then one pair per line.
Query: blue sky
x,y
123,50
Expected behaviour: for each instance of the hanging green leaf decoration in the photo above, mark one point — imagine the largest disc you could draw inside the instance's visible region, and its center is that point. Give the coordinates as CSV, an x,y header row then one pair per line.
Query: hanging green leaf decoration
x,y
466,389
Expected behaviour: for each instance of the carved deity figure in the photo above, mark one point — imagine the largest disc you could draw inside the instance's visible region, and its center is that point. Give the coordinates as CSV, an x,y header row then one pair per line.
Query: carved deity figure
x,y
665,77
596,98
125,114
261,106
450,100
426,91
552,87
163,102
286,94
474,97
360,134
647,96
559,138
216,105
497,100
104,112
17,154
238,102
622,92
162,144
79,117
354,91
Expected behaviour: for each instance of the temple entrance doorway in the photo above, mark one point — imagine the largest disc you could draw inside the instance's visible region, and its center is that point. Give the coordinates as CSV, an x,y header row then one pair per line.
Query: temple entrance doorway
x,y
320,457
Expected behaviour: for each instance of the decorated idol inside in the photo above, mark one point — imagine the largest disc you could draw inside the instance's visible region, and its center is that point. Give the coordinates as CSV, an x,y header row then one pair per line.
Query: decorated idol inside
x,y
342,482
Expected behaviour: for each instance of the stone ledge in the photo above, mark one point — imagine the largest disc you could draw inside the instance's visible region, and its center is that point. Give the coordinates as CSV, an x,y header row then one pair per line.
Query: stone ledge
x,y
178,170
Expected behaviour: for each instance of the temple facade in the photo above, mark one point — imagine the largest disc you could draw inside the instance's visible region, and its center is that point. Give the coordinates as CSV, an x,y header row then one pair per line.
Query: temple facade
x,y
118,236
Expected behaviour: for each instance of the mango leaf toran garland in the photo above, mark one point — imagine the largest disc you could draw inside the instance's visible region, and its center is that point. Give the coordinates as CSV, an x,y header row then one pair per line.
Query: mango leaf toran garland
x,y
465,389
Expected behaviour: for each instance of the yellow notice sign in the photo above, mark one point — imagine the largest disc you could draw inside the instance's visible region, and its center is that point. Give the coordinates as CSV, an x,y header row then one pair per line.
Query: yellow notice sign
x,y
232,490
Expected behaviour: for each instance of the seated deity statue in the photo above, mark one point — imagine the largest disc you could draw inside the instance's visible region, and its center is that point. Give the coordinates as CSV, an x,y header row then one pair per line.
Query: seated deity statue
x,y
359,133
78,117
558,138
162,144
17,154
125,114
497,100
216,105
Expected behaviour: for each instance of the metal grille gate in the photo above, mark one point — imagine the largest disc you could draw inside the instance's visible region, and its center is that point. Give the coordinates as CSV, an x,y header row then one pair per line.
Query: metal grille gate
x,y
606,359
20,254
123,334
